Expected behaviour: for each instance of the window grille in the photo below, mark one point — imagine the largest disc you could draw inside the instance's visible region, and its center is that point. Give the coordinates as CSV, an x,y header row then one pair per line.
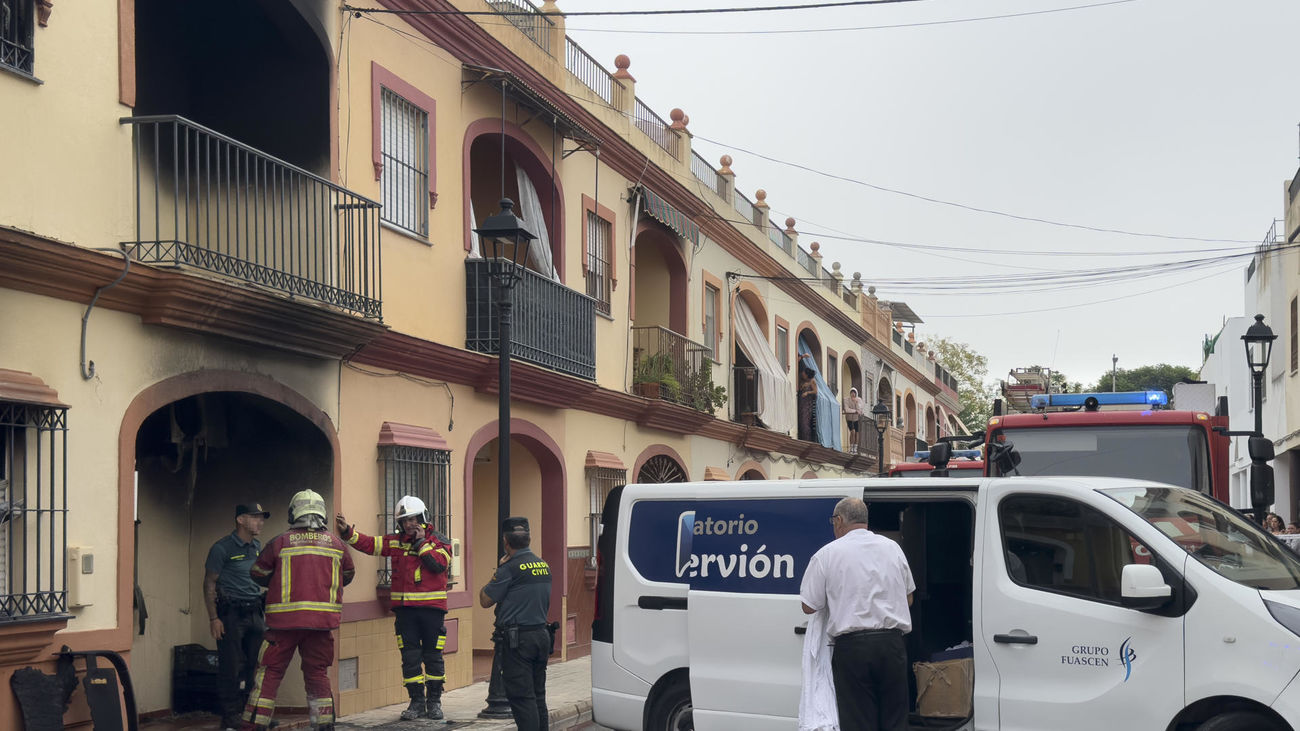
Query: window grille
x,y
33,511
418,471
711,297
783,346
599,276
600,480
405,152
16,35
833,373
1295,343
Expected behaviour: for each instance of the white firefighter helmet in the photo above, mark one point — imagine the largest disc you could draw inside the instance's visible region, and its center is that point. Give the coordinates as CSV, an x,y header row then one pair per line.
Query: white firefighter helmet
x,y
409,506
306,502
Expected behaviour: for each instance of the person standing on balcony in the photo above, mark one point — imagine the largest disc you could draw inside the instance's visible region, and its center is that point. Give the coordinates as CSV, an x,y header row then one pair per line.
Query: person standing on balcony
x,y
421,561
234,603
807,400
853,410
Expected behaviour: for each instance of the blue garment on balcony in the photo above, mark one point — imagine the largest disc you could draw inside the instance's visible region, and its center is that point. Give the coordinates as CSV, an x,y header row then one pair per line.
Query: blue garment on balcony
x,y
828,407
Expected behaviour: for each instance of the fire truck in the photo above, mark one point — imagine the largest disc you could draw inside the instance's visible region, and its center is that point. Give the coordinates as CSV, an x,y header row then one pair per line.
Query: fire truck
x,y
1127,434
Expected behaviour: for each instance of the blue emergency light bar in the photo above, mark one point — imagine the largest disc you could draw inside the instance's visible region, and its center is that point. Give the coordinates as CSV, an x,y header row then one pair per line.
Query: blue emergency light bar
x,y
1121,398
924,455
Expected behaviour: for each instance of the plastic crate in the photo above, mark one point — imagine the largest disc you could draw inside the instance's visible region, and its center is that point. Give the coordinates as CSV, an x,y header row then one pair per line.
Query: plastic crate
x,y
194,679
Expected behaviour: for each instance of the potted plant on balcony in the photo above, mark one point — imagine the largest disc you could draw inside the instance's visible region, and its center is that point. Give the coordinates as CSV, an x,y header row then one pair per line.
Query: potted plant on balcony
x,y
705,396
653,377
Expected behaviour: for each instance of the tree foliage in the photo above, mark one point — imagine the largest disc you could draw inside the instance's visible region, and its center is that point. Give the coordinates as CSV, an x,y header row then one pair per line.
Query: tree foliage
x,y
971,371
1159,377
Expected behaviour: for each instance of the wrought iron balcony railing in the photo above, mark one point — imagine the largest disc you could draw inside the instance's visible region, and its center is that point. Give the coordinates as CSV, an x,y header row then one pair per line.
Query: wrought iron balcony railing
x,y
553,327
744,394
211,202
679,366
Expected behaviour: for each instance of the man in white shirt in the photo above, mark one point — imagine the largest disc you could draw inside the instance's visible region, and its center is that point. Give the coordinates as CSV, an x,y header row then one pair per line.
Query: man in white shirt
x,y
864,583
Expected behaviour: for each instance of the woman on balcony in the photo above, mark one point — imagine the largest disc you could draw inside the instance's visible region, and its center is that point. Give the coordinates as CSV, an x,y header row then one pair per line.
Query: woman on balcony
x,y
807,401
853,409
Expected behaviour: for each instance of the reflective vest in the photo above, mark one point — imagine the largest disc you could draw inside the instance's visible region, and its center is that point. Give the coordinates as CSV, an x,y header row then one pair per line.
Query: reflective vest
x,y
304,572
414,585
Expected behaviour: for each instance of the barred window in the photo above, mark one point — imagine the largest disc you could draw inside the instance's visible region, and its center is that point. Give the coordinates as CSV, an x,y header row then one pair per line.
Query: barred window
x,y
406,163
712,298
783,346
423,473
833,373
16,35
1295,341
600,480
33,510
599,276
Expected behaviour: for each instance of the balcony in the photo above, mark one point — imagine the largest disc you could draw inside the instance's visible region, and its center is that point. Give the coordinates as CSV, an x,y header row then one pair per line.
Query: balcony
x,y
673,368
553,326
209,202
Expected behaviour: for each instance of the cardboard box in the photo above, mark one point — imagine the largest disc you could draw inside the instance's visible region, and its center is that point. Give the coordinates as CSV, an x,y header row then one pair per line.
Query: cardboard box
x,y
945,689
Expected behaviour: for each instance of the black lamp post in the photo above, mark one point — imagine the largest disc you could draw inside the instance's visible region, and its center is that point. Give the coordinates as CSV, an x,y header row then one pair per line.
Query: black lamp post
x,y
1259,348
880,412
504,239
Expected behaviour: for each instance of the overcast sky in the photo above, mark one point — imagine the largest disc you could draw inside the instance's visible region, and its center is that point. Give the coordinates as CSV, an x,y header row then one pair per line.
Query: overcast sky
x,y
1170,117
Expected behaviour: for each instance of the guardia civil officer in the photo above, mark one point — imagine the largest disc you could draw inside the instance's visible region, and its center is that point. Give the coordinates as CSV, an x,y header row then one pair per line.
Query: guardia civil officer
x,y
234,603
521,591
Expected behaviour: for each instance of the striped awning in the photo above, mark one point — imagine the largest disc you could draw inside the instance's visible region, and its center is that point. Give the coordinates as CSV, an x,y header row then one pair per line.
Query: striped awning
x,y
659,209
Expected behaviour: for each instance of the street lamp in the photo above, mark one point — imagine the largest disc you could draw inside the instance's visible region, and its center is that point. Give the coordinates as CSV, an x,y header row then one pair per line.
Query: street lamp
x,y
880,412
1259,348
505,242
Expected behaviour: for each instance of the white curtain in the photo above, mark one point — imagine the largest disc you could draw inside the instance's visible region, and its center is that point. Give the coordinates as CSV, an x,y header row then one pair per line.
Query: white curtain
x,y
475,246
775,393
530,209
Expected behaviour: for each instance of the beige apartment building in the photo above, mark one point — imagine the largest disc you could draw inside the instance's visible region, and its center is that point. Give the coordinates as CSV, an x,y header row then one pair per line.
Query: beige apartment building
x,y
238,259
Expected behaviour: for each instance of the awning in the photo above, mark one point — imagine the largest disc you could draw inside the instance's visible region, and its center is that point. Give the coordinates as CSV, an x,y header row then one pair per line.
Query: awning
x,y
392,434
604,460
21,387
715,474
525,95
659,209
903,313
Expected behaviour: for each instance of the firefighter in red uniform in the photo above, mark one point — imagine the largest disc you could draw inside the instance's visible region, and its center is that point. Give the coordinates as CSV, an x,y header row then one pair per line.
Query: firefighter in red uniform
x,y
305,570
421,559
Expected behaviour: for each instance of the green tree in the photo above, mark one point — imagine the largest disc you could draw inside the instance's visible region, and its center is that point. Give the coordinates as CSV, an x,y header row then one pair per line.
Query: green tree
x,y
971,371
1159,377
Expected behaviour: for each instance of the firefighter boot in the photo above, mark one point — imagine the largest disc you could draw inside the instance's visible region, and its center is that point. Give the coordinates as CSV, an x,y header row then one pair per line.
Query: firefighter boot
x,y
416,709
433,704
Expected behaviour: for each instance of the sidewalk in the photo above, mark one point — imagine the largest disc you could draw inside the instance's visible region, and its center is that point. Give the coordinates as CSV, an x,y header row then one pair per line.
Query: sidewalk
x,y
568,696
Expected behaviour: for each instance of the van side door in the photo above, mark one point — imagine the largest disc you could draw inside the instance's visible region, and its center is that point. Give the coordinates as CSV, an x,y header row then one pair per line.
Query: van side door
x,y
744,618
1068,654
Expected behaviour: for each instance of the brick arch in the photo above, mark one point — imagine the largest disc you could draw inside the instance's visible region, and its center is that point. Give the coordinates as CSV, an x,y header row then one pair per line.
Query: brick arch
x,y
534,163
748,466
748,292
550,465
655,450
148,401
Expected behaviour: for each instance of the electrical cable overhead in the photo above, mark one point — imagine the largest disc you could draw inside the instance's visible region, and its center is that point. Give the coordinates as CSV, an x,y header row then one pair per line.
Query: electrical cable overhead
x,y
674,11
795,31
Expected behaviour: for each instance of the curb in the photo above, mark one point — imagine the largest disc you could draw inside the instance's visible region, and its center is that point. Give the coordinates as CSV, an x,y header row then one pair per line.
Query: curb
x,y
569,715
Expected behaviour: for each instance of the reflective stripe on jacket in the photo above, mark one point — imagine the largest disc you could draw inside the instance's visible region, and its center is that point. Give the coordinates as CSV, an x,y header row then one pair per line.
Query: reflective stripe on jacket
x,y
304,572
414,584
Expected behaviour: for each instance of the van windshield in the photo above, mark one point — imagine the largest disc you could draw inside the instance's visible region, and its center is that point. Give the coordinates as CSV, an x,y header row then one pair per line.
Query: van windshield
x,y
1171,453
1215,535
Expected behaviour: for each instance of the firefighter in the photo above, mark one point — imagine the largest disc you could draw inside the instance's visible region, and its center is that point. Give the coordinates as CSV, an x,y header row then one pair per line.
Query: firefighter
x,y
305,570
421,561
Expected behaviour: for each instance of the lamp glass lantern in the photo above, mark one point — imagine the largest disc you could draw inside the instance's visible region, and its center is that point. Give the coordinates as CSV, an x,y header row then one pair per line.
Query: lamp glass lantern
x,y
505,240
1259,345
881,414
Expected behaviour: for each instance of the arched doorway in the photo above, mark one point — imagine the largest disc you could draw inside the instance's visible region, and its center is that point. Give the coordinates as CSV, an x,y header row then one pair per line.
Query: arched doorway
x,y
537,480
931,428
200,444
909,425
659,280
525,162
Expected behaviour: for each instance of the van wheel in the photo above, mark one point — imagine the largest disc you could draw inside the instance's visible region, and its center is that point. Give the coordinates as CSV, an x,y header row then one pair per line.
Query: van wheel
x,y
1238,721
672,710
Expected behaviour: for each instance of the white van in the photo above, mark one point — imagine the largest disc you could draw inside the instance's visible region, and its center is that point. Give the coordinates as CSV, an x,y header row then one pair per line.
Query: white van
x,y
1091,603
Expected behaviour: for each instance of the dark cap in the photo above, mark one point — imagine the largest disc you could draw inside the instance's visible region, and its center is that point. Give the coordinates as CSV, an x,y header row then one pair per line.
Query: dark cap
x,y
516,524
251,509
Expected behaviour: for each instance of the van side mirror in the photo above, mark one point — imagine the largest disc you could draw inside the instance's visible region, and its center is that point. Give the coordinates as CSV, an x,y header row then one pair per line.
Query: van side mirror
x,y
1261,487
1260,449
1142,586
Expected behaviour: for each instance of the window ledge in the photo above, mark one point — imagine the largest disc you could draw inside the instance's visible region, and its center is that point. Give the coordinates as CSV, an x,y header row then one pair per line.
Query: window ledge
x,y
607,317
408,233
21,74
23,638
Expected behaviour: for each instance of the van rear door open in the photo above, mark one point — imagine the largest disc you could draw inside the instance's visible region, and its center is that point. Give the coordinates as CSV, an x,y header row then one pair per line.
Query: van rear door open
x,y
746,558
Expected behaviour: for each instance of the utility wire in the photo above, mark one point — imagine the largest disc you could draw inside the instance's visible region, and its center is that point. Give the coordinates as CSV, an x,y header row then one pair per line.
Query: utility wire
x,y
793,31
677,11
